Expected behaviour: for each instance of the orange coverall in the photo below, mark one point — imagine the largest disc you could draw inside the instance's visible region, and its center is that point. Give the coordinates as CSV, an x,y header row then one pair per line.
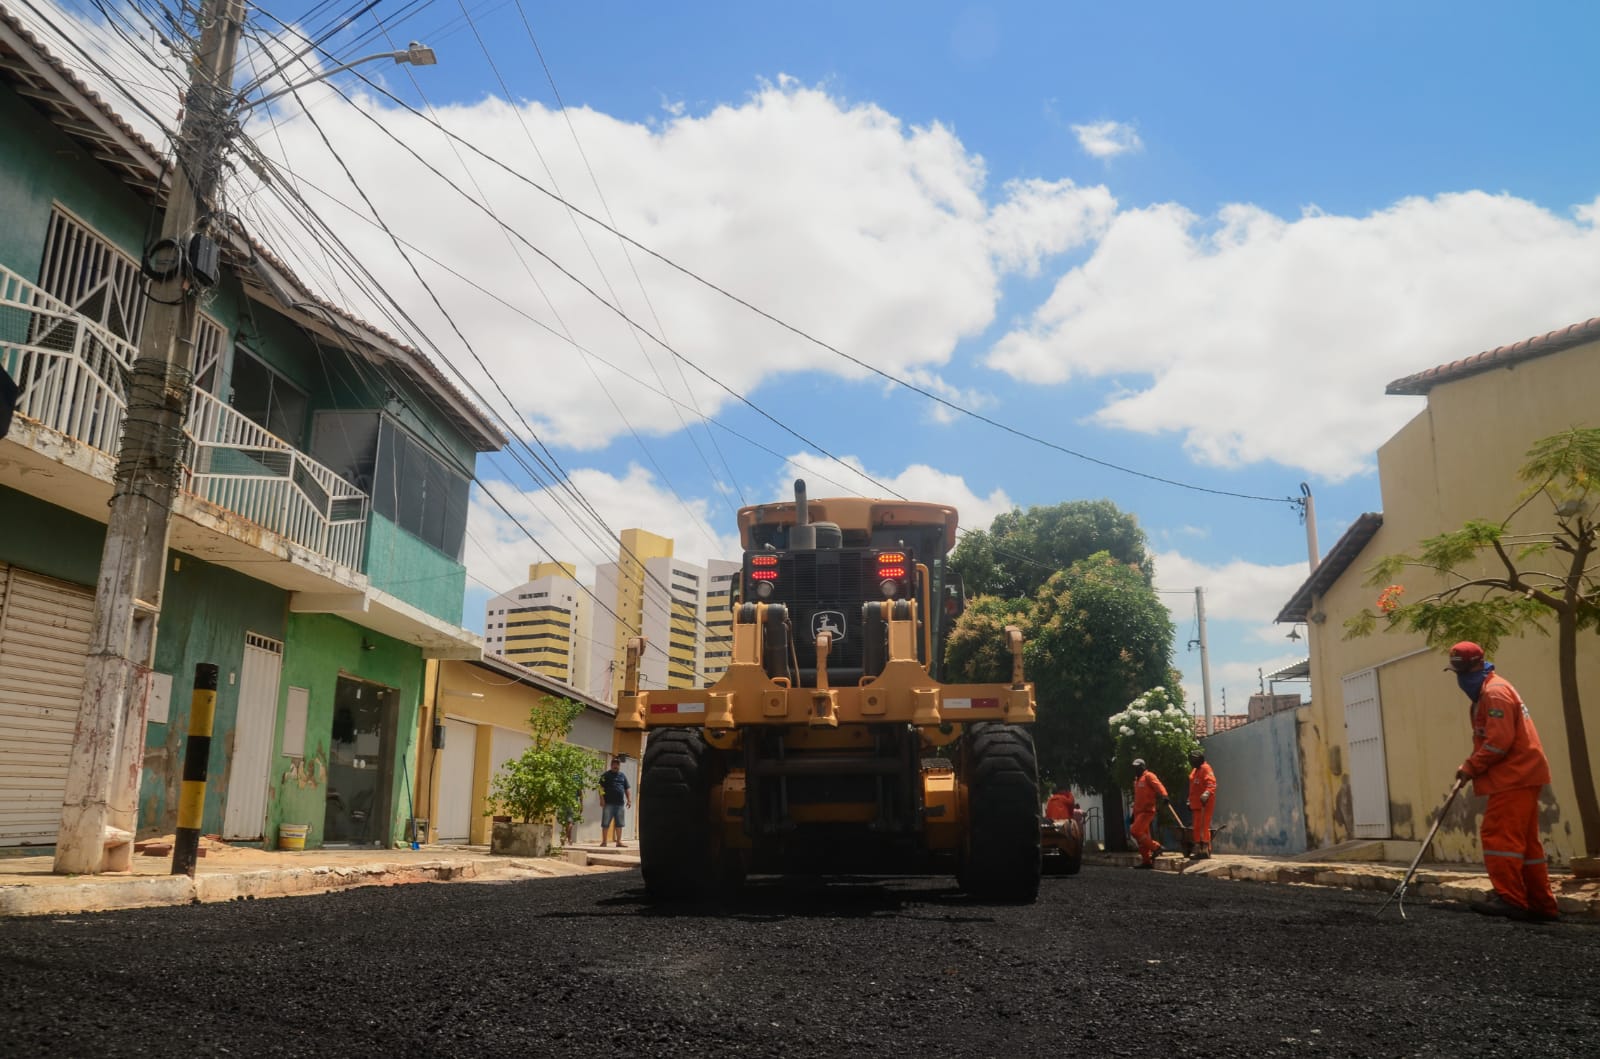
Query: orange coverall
x,y
1508,767
1202,781
1060,806
1146,789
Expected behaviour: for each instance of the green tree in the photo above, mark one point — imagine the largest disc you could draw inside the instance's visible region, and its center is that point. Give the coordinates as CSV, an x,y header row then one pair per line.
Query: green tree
x,y
1098,635
1020,550
1501,583
976,650
547,783
1157,728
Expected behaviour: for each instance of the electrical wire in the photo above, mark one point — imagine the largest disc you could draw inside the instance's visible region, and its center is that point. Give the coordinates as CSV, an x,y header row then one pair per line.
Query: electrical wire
x,y
797,331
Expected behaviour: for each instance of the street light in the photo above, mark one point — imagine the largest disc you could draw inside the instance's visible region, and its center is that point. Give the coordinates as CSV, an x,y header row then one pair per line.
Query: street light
x,y
415,54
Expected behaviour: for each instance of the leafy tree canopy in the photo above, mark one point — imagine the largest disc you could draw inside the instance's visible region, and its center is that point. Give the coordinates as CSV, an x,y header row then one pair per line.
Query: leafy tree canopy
x,y
1022,549
1096,635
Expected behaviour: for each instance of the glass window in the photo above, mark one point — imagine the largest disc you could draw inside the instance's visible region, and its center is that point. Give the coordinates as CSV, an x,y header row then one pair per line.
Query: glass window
x,y
267,398
418,491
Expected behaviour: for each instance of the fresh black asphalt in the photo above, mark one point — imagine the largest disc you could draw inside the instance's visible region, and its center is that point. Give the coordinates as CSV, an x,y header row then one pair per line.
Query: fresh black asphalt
x,y
1111,962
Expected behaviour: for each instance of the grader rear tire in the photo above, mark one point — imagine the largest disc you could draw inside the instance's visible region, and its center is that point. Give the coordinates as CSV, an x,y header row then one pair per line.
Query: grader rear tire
x,y
1002,776
674,828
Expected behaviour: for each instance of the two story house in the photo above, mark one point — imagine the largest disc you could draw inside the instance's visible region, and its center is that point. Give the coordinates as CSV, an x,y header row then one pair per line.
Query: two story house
x,y
316,542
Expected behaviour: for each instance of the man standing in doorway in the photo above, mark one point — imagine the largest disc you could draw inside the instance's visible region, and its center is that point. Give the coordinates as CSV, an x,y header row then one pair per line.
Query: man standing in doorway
x,y
615,799
1508,767
1148,792
1202,800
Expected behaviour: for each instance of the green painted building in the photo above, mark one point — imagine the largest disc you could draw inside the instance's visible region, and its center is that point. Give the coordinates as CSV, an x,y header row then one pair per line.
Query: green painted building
x,y
316,543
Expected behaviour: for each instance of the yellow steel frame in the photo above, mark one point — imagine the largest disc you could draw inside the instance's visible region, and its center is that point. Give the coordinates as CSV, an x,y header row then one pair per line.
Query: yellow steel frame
x,y
903,693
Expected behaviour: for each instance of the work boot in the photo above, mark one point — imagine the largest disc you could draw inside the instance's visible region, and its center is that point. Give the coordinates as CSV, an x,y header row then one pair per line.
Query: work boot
x,y
1204,853
1495,905
1144,866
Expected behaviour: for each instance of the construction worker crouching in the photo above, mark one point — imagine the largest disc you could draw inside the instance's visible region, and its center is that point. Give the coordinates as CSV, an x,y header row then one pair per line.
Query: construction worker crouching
x,y
1202,802
1148,793
1508,767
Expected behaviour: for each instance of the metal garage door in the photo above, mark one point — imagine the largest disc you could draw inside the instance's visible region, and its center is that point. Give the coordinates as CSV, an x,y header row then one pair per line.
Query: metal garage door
x,y
44,642
456,763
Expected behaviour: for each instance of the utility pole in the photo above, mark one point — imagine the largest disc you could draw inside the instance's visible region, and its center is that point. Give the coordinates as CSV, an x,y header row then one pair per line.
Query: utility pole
x,y
1308,511
100,807
1205,655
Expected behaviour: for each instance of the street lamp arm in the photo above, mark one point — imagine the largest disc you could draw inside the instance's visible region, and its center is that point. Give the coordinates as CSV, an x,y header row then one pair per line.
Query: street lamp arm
x,y
415,55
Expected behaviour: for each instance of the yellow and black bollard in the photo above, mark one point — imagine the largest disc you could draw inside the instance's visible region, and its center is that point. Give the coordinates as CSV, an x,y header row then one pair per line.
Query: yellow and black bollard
x,y
196,758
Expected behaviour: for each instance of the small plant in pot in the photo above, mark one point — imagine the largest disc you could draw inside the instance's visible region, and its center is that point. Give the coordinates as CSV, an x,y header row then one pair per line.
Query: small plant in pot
x,y
545,786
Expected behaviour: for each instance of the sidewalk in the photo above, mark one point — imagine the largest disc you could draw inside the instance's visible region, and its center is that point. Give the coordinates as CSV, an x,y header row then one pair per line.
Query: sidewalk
x,y
228,873
1455,884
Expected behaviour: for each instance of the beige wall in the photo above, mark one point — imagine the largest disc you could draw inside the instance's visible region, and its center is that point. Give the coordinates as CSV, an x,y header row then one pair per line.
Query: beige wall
x,y
486,698
1455,461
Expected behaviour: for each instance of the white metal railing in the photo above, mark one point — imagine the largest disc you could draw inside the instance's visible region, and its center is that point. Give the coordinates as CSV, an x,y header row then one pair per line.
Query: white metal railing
x,y
73,376
72,371
237,464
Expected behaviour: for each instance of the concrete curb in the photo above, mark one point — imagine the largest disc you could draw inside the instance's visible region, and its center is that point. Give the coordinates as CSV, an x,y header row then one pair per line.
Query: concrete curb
x,y
1578,900
154,891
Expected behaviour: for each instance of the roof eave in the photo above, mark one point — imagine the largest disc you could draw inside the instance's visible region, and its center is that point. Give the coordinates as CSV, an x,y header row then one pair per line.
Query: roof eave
x,y
1332,567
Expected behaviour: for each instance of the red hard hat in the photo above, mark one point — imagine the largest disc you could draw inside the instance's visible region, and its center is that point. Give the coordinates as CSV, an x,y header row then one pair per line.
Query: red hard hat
x,y
1465,656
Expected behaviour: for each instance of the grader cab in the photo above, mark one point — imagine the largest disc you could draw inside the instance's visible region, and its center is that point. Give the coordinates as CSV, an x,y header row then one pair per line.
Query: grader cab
x,y
818,751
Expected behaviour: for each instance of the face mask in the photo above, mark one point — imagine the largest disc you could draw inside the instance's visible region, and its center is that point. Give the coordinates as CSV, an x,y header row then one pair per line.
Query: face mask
x,y
1472,683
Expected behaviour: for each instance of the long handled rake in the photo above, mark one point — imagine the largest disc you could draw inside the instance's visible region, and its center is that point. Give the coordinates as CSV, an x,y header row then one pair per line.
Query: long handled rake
x,y
1399,895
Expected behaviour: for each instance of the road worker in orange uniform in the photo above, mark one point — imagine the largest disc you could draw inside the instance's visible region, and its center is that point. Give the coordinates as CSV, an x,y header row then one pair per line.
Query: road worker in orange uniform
x,y
1148,792
1060,805
1202,800
1508,767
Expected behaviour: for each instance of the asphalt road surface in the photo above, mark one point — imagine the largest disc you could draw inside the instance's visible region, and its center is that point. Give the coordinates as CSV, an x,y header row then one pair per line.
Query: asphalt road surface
x,y
1109,963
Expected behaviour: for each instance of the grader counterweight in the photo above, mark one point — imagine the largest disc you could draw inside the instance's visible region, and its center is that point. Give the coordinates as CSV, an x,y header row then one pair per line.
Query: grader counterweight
x,y
816,752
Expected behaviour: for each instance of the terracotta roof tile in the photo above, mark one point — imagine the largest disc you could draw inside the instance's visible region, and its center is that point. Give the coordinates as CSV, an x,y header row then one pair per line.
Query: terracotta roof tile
x,y
1499,357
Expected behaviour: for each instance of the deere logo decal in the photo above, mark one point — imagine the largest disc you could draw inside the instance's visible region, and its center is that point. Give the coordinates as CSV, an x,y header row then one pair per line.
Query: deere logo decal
x,y
828,621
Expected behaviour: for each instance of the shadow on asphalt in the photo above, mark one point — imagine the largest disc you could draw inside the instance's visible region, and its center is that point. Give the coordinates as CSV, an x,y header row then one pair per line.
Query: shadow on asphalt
x,y
838,897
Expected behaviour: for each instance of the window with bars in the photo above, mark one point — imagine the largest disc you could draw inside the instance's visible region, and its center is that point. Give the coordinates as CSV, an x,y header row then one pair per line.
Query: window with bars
x,y
89,273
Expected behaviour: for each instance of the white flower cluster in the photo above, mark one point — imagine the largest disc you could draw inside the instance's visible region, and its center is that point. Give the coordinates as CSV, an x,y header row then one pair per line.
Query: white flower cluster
x,y
1153,707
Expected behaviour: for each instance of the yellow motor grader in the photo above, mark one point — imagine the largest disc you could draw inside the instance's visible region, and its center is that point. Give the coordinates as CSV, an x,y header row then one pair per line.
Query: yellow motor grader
x,y
818,751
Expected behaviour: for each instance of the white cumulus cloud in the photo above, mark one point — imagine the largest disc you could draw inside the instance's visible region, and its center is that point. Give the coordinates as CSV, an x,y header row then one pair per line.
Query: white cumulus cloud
x,y
1107,139
1260,338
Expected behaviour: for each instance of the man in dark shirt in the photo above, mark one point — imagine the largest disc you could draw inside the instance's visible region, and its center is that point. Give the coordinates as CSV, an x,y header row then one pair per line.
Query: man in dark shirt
x,y
614,796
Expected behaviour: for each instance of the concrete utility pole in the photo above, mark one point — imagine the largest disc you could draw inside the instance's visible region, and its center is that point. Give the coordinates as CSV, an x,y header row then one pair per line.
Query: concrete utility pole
x,y
1308,511
1205,655
100,807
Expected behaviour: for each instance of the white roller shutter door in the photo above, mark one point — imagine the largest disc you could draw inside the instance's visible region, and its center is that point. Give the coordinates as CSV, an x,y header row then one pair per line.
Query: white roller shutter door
x,y
44,644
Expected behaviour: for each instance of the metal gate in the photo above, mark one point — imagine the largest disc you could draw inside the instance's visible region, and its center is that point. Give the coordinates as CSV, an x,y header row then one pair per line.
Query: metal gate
x,y
1369,768
456,763
245,809
44,645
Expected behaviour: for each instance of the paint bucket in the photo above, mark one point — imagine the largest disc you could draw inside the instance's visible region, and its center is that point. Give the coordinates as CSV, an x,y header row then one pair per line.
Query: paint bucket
x,y
292,836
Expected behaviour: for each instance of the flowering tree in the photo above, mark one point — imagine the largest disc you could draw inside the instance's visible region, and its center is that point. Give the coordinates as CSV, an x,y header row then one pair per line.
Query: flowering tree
x,y
1157,728
1499,582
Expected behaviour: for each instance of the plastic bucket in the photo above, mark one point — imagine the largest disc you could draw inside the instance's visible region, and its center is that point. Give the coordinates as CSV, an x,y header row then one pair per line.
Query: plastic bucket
x,y
292,836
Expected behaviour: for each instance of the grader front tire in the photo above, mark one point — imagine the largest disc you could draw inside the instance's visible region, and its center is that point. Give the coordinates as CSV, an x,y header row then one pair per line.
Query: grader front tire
x,y
674,830
1002,776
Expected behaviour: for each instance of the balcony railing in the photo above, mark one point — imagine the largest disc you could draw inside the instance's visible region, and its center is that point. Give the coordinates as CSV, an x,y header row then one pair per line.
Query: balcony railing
x,y
73,374
234,463
71,370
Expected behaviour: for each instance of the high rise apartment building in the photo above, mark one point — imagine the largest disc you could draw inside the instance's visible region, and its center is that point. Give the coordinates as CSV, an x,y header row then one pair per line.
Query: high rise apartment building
x,y
681,608
543,624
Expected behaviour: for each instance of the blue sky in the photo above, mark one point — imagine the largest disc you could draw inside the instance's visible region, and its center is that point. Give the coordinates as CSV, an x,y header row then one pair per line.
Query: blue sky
x,y
1193,240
